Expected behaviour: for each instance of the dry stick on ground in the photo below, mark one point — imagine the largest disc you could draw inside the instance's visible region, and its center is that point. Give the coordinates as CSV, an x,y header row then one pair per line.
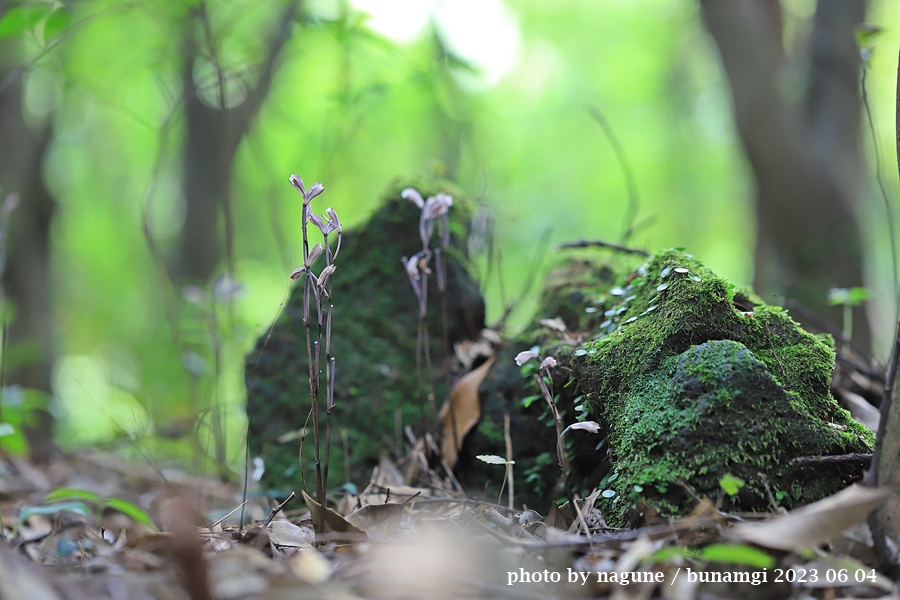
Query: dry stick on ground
x,y
835,459
509,457
277,509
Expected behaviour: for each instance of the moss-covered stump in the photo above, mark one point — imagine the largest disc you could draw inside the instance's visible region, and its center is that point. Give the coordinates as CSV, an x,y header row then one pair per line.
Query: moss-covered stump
x,y
695,383
375,325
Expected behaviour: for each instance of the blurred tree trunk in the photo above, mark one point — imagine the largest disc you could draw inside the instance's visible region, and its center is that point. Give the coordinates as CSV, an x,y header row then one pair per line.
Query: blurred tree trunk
x,y
804,152
214,132
26,277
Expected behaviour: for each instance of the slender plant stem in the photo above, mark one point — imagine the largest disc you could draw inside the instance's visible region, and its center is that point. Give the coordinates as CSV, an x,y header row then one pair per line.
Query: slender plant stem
x,y
887,205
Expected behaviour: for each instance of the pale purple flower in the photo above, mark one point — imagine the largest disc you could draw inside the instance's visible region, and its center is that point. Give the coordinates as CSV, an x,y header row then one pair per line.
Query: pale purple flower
x,y
333,218
314,253
326,274
412,268
316,189
325,226
548,363
413,195
437,206
589,426
297,182
524,356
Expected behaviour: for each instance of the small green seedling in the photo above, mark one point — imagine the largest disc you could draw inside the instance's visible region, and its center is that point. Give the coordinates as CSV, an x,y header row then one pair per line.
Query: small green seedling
x,y
730,484
78,500
848,298
493,459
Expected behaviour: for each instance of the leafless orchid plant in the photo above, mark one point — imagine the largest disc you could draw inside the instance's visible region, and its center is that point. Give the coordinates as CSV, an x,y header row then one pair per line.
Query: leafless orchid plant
x,y
317,289
434,212
544,379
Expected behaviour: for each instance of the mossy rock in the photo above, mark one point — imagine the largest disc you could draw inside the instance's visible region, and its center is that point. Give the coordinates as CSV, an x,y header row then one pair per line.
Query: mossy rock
x,y
695,382
374,333
575,279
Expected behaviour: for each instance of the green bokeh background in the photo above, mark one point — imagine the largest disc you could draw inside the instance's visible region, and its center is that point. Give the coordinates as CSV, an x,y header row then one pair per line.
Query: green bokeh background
x,y
353,107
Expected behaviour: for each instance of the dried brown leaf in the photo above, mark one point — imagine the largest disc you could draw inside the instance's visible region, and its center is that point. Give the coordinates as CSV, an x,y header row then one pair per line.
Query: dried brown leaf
x,y
815,523
463,410
560,517
333,521
284,533
556,324
387,475
377,518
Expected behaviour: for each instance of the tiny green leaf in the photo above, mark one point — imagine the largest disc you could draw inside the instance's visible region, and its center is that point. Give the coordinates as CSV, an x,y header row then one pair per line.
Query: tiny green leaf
x,y
75,507
730,291
608,493
22,18
738,554
730,484
7,429
670,552
64,493
130,510
848,296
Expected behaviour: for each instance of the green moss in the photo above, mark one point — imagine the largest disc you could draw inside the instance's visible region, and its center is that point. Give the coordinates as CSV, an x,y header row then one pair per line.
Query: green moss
x,y
692,388
374,334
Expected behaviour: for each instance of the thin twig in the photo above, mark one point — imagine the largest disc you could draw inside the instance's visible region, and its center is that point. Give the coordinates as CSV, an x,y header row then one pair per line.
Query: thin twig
x,y
837,459
278,508
887,205
509,457
591,243
630,182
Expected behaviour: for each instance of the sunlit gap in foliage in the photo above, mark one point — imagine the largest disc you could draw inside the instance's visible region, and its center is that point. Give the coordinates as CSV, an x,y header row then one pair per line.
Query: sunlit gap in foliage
x,y
482,33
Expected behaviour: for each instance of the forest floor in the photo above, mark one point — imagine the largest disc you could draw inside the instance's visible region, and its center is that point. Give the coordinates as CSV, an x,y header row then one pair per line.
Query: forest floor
x,y
93,525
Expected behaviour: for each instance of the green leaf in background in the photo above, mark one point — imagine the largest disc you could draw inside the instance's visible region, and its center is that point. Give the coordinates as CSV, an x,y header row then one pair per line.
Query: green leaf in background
x,y
56,23
666,554
731,485
848,296
130,510
738,554
76,507
6,429
21,18
64,493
